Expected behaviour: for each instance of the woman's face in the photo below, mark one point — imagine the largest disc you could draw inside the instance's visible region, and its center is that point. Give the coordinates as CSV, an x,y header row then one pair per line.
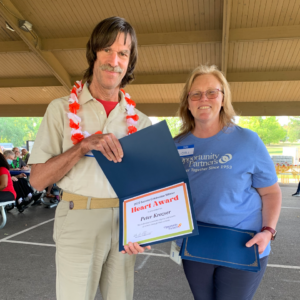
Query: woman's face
x,y
205,111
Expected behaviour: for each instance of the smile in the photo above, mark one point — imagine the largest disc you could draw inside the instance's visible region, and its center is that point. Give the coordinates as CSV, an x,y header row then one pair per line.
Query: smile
x,y
203,107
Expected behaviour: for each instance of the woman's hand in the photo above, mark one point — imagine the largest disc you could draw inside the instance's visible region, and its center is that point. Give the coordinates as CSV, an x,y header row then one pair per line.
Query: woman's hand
x,y
261,239
13,178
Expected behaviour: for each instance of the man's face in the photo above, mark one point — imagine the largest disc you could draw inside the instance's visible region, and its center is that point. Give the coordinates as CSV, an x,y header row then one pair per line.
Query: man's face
x,y
24,151
111,64
17,152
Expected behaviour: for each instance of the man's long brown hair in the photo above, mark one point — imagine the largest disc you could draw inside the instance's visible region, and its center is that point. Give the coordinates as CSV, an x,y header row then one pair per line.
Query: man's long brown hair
x,y
104,35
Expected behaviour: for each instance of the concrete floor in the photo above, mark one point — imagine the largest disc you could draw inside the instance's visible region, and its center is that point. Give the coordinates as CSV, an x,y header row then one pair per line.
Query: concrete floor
x,y
27,264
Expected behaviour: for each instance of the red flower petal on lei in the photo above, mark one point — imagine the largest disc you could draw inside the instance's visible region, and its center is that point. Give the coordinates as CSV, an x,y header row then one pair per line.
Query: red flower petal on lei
x,y
130,102
78,85
76,138
131,129
74,90
133,117
73,107
98,132
73,125
122,91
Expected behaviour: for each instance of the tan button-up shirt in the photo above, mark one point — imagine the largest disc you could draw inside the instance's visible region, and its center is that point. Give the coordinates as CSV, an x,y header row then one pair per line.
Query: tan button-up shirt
x,y
54,137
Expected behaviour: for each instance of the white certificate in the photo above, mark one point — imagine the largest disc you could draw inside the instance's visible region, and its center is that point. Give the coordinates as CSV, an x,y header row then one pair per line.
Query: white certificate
x,y
157,215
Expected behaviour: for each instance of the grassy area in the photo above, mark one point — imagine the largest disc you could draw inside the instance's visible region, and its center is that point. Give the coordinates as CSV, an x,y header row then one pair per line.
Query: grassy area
x,y
275,151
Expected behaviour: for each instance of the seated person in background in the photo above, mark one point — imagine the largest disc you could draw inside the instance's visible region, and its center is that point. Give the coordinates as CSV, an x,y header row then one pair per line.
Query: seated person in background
x,y
16,149
25,155
14,162
23,189
7,192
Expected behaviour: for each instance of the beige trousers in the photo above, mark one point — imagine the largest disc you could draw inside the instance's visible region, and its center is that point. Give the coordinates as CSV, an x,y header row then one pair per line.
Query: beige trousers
x,y
87,255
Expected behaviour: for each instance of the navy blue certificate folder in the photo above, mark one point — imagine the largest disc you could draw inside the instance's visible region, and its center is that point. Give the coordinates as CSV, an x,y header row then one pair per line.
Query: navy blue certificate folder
x,y
151,161
223,246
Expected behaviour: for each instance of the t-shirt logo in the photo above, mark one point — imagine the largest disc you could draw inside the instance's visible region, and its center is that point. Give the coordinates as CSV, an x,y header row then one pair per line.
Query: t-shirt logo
x,y
225,158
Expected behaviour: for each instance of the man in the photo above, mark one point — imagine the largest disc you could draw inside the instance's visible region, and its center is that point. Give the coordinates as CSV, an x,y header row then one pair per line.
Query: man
x,y
25,155
86,222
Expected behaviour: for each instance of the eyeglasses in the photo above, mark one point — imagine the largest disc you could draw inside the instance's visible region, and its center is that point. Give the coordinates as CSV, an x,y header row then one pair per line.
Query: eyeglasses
x,y
210,94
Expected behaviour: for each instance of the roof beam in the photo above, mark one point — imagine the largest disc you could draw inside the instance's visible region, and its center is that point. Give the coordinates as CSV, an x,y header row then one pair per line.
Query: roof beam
x,y
8,11
23,110
264,76
29,82
149,39
187,37
225,34
13,46
157,79
283,108
264,33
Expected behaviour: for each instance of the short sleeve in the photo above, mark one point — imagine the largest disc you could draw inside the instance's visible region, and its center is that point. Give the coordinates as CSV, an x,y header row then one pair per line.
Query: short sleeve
x,y
264,174
49,140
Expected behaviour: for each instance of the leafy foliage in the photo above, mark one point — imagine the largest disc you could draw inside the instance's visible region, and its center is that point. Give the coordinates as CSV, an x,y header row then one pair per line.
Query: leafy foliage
x,y
293,129
268,129
18,130
174,124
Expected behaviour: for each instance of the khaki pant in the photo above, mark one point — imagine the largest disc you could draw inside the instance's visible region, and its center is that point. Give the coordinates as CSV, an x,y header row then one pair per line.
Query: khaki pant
x,y
87,255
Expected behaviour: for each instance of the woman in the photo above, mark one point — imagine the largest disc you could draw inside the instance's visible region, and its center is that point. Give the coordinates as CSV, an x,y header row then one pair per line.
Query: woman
x,y
7,192
23,191
233,182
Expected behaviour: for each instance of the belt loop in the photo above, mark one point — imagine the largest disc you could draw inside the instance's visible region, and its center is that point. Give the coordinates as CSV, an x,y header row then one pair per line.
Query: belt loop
x,y
88,204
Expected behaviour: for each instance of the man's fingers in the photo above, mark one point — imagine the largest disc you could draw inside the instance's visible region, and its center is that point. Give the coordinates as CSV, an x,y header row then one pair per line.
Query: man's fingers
x,y
108,145
134,248
115,146
127,249
105,150
118,146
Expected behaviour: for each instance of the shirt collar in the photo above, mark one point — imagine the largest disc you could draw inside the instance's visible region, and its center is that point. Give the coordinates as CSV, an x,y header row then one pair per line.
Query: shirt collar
x,y
86,96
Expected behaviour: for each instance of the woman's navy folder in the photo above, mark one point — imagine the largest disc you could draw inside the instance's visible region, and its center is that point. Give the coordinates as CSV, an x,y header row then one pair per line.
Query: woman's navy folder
x,y
151,162
223,246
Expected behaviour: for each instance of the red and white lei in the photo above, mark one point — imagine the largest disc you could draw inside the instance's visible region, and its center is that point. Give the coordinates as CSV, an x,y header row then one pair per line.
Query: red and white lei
x,y
77,135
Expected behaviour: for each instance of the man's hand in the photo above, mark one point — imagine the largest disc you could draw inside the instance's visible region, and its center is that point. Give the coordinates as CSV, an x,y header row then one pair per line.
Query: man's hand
x,y
25,168
134,248
262,239
107,144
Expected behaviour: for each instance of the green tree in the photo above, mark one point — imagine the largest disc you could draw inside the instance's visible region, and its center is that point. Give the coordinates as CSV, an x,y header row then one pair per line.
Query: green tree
x,y
18,130
293,131
174,124
268,129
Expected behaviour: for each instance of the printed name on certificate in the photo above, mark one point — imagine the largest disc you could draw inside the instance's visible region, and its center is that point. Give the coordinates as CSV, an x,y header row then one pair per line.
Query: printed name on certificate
x,y
157,215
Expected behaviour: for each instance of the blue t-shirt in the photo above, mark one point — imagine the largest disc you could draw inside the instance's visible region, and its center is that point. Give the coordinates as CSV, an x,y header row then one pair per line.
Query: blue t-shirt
x,y
223,172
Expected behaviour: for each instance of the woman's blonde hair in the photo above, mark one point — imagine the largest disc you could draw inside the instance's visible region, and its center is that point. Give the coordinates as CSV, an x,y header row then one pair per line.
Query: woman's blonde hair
x,y
227,112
